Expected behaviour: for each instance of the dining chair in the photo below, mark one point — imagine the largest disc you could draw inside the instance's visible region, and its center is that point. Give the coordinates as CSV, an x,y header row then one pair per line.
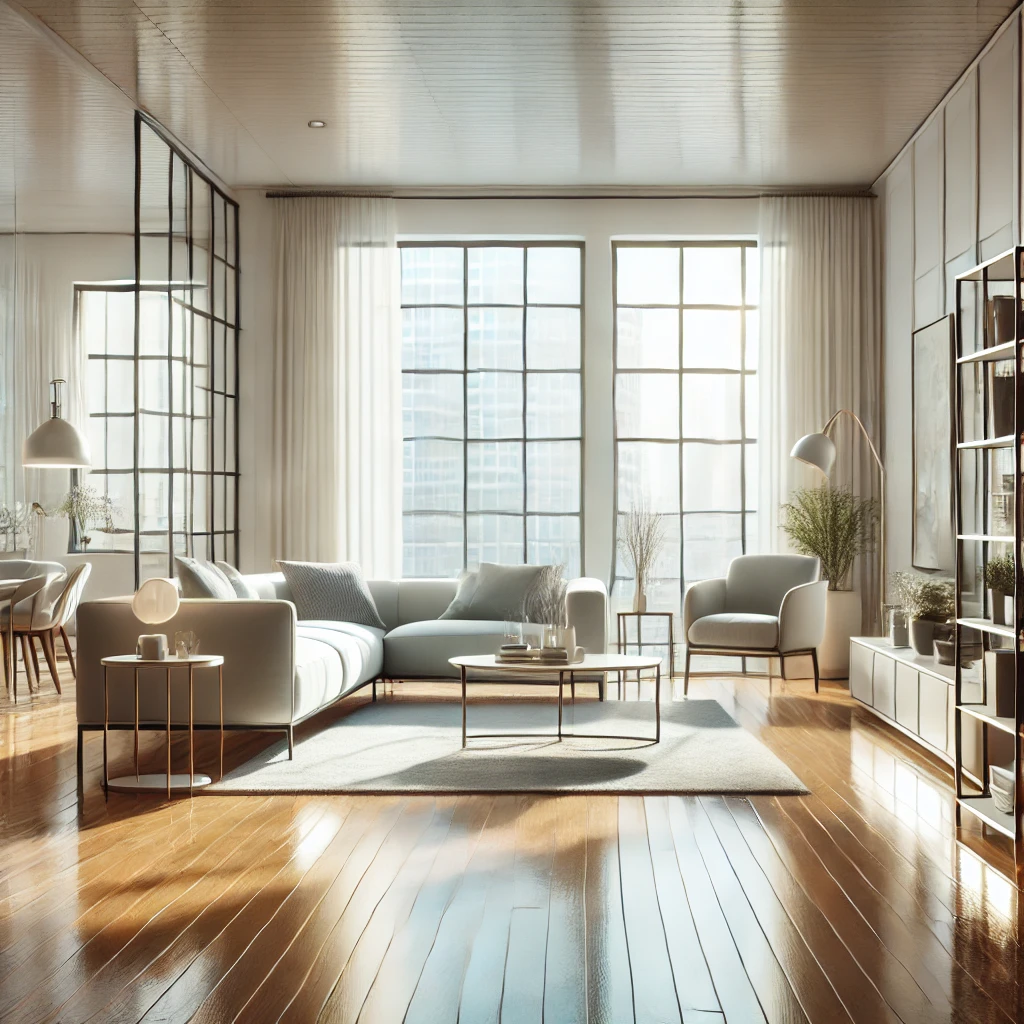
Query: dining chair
x,y
15,593
48,618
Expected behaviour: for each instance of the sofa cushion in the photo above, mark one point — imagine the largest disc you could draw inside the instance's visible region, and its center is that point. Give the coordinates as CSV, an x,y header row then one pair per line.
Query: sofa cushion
x,y
497,592
239,584
203,579
332,659
736,629
420,650
331,590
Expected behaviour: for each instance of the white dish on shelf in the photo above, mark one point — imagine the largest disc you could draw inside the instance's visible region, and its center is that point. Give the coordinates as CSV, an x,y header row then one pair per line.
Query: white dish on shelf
x,y
1001,786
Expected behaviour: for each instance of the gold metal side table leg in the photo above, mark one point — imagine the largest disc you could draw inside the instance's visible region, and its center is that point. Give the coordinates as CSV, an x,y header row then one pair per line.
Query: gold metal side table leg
x,y
221,684
136,724
463,669
168,733
106,722
191,733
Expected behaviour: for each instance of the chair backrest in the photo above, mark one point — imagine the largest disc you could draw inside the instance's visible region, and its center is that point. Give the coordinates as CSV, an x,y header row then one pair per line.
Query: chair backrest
x,y
26,568
66,604
38,593
758,583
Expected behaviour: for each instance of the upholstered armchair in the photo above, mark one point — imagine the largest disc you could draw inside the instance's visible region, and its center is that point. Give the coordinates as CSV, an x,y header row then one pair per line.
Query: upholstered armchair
x,y
767,606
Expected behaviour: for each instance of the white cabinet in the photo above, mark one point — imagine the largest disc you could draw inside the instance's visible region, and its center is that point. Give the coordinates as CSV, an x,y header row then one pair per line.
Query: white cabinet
x,y
914,693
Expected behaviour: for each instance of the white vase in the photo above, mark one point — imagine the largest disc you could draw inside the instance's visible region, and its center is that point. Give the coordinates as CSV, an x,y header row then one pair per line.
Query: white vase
x,y
842,620
639,598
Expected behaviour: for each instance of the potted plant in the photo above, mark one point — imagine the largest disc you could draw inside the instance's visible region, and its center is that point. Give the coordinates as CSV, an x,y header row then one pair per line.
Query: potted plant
x,y
1000,573
642,537
83,506
929,602
834,526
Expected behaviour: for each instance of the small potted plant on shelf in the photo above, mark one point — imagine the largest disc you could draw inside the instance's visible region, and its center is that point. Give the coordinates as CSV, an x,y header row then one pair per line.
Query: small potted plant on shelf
x,y
929,603
1000,573
834,526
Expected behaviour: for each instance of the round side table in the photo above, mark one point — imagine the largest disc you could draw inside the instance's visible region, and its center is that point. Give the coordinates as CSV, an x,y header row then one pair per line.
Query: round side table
x,y
153,783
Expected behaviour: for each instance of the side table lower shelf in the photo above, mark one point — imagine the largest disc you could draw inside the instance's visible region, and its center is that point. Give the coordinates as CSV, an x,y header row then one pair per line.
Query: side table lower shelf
x,y
168,781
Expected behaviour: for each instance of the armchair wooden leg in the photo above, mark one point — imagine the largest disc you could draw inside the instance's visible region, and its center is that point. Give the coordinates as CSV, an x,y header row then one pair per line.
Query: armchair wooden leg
x,y
291,742
67,651
7,662
814,663
686,673
46,639
782,666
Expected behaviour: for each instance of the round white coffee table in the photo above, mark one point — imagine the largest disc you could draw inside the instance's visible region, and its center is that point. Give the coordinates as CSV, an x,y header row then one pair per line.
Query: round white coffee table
x,y
162,781
546,673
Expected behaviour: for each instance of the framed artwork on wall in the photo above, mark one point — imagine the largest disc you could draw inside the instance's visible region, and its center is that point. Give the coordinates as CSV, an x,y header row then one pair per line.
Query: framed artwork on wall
x,y
931,356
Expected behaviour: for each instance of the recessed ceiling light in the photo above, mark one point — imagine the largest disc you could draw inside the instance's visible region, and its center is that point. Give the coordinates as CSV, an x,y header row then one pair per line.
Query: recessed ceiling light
x,y
317,124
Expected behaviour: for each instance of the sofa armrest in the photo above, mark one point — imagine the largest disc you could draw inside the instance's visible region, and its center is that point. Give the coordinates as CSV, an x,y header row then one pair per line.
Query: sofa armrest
x,y
586,608
704,598
802,617
256,638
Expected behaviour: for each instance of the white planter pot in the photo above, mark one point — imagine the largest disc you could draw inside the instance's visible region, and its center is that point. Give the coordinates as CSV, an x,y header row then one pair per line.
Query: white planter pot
x,y
842,620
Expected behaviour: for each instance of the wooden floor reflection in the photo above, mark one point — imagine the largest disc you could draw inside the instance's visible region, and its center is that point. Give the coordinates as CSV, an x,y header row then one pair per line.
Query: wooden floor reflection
x,y
854,903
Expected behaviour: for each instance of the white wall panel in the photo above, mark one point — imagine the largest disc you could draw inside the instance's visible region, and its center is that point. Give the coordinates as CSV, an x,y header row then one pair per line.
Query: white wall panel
x,y
961,171
997,130
928,230
966,162
898,243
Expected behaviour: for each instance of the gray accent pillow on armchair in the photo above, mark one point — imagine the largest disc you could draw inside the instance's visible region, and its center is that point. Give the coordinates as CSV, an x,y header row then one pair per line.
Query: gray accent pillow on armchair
x,y
332,591
495,592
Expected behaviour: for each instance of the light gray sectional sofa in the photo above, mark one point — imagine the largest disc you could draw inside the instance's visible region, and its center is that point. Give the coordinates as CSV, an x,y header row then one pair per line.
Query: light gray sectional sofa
x,y
279,671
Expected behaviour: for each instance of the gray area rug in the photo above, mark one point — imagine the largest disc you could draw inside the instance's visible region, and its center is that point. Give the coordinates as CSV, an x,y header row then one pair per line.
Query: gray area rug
x,y
411,746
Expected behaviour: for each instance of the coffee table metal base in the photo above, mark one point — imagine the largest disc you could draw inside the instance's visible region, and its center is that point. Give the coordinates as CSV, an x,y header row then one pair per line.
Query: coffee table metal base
x,y
560,735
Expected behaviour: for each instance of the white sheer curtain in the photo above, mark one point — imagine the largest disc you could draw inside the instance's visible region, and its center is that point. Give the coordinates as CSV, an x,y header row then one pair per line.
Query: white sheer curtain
x,y
820,350
337,451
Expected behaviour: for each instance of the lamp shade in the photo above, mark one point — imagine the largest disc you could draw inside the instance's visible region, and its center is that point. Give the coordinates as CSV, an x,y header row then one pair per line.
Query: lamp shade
x,y
156,601
817,450
56,443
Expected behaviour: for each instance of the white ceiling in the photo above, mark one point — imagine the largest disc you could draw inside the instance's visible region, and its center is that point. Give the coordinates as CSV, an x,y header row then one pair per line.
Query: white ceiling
x,y
66,145
539,93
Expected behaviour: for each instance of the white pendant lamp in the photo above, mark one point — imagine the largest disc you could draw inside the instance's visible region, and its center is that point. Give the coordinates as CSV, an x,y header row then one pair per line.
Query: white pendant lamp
x,y
56,444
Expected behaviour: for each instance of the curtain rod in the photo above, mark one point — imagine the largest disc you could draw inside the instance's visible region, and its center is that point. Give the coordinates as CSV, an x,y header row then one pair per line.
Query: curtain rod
x,y
463,197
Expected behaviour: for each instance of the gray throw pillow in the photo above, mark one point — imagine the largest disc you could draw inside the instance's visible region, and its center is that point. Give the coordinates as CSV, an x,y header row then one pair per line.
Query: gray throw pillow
x,y
333,591
495,592
242,588
203,579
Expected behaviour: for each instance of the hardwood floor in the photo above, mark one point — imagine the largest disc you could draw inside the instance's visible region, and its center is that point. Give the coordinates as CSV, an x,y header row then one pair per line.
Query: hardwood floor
x,y
851,904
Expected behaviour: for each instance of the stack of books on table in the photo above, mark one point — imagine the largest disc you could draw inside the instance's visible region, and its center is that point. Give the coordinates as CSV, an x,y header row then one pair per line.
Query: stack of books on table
x,y
521,655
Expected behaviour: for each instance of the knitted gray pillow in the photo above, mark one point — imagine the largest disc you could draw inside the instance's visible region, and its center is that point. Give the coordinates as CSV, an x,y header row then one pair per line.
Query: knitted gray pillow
x,y
239,583
203,579
333,591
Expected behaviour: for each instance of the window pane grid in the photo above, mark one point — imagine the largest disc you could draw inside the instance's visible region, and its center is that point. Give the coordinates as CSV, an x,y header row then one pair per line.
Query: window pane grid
x,y
494,392
684,405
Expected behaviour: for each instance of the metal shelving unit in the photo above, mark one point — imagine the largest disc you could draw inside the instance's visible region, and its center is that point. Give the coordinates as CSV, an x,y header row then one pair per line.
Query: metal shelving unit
x,y
991,294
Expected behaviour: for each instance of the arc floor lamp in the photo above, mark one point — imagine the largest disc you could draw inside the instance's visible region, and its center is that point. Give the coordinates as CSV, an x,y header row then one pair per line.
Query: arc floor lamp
x,y
819,450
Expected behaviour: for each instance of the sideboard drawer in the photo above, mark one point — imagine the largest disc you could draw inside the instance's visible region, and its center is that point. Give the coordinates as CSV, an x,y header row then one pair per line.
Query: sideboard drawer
x,y
884,682
861,670
907,701
935,696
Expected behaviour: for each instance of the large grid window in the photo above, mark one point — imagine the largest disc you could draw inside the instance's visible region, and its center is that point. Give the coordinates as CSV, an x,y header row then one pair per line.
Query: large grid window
x,y
163,371
492,405
686,405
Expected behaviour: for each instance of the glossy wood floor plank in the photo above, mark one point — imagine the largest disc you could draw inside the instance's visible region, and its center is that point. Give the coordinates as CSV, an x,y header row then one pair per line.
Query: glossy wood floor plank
x,y
854,903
